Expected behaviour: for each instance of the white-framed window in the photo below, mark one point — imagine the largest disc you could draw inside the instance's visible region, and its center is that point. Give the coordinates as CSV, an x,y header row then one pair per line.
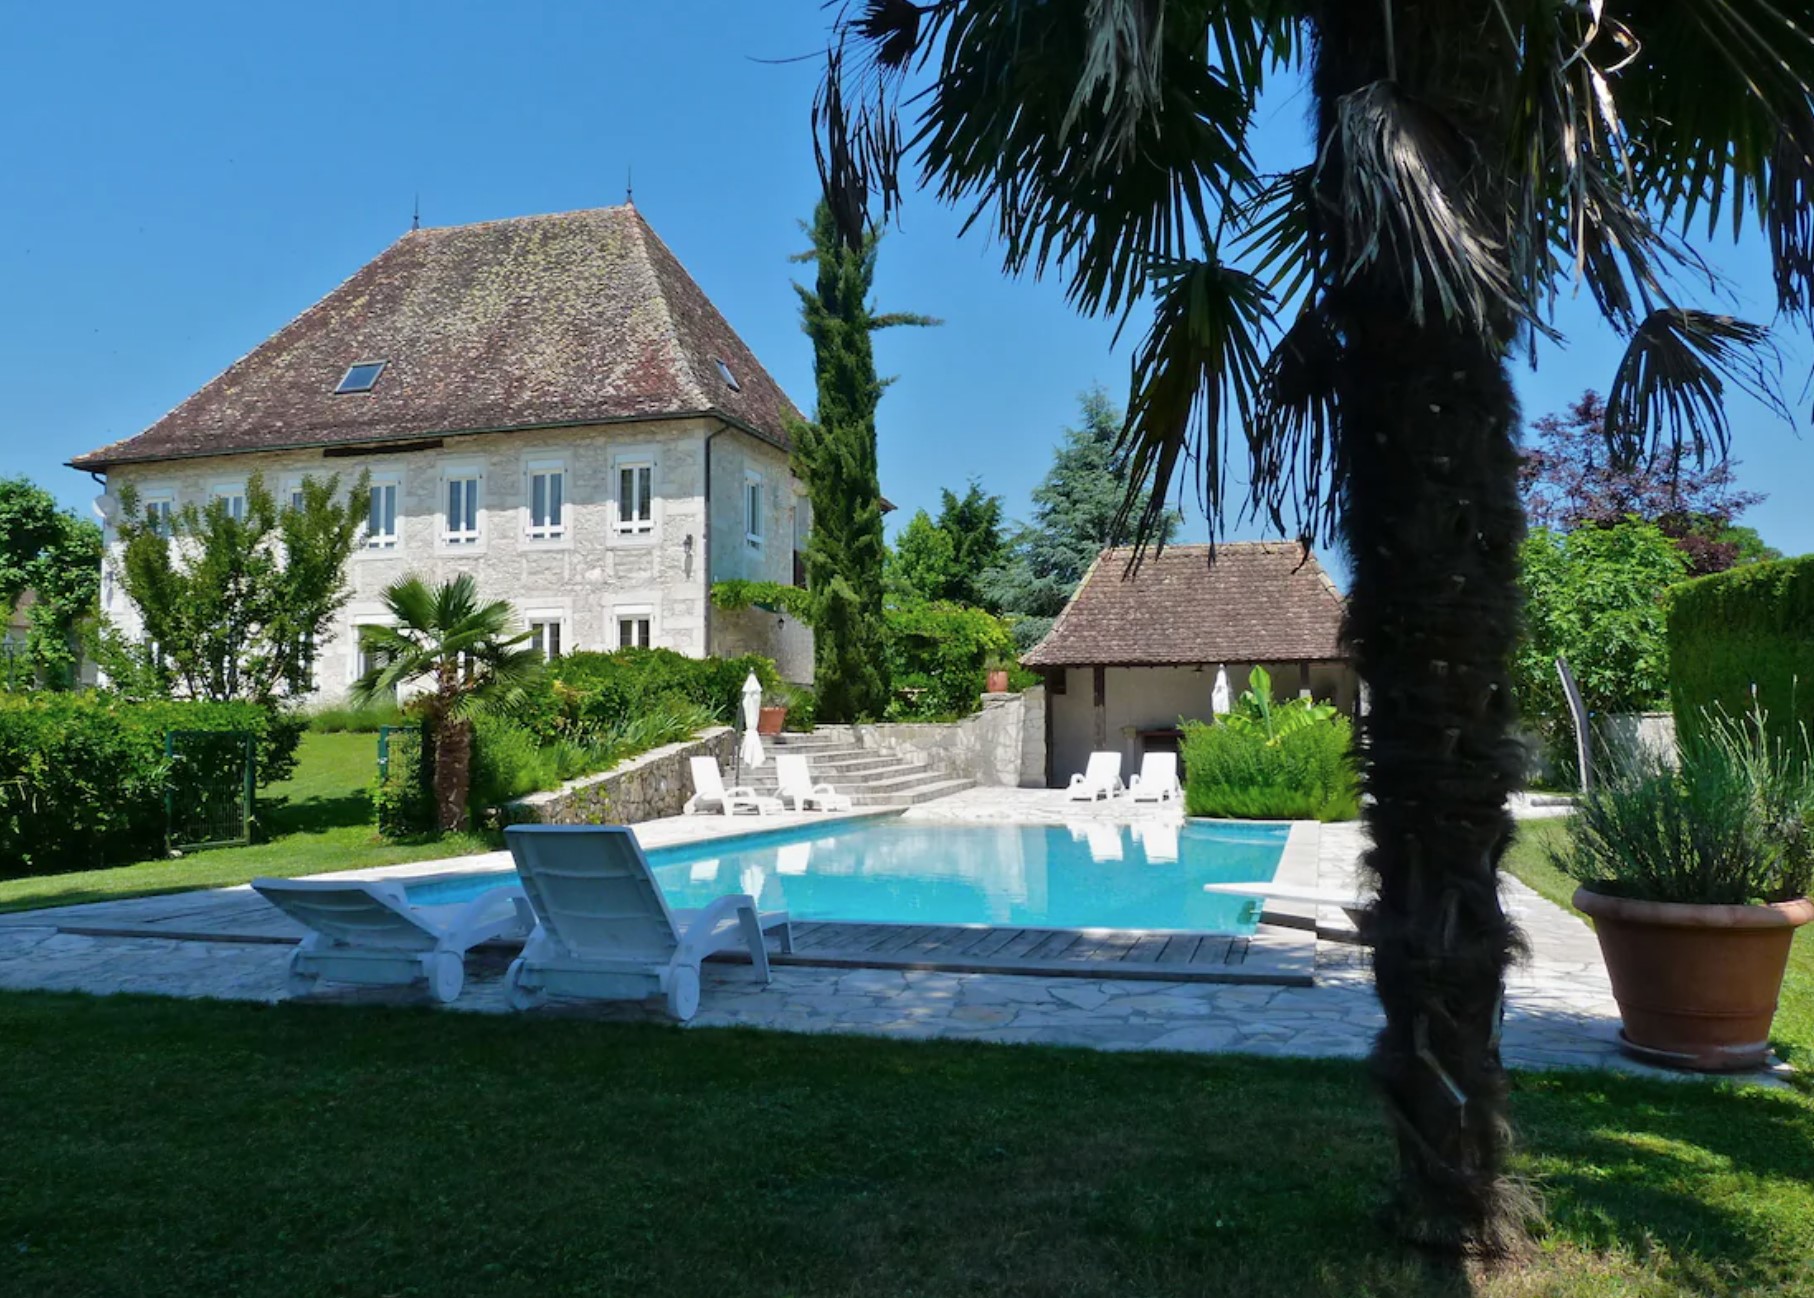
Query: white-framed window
x,y
382,530
362,660
753,496
292,493
635,626
635,496
158,506
233,494
547,500
547,633
460,507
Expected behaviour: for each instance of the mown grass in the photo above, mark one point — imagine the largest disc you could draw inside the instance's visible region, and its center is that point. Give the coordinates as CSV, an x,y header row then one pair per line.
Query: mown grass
x,y
160,1147
1793,1032
319,820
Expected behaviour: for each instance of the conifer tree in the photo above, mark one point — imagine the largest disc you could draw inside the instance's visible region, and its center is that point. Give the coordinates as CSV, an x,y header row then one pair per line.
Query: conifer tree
x,y
835,455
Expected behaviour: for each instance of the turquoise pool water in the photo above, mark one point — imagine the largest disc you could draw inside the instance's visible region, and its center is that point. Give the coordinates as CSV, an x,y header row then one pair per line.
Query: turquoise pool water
x,y
1038,876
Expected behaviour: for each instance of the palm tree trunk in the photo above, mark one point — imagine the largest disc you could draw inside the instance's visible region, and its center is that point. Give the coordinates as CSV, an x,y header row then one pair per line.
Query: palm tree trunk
x,y
1432,523
453,770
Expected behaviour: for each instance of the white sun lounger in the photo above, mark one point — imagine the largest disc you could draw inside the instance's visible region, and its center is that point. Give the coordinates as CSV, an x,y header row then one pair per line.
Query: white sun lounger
x,y
1157,779
604,930
368,933
797,787
709,793
1101,779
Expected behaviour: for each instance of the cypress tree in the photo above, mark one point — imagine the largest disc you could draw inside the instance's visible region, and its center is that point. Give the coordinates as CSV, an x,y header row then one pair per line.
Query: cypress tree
x,y
835,455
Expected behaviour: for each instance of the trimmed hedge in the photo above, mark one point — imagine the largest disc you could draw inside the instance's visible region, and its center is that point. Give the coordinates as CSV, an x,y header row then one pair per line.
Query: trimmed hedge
x,y
1747,626
82,776
1308,774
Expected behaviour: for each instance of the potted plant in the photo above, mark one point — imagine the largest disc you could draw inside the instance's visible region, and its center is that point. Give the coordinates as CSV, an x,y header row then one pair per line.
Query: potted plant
x,y
997,682
1696,878
771,718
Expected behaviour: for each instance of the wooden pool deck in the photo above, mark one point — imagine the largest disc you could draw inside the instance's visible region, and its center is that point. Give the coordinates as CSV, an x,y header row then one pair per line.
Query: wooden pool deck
x,y
1273,956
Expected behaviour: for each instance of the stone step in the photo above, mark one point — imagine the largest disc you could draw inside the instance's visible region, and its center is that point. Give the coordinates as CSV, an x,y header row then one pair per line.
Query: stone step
x,y
832,768
923,792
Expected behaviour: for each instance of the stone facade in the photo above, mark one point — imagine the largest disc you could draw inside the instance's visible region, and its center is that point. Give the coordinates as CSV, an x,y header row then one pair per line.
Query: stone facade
x,y
588,580
1001,746
648,787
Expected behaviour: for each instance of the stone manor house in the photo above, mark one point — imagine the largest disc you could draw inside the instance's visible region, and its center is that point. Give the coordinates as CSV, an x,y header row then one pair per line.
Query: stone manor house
x,y
549,403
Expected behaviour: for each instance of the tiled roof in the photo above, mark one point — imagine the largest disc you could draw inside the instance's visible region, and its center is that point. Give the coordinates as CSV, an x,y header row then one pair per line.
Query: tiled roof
x,y
571,318
1260,601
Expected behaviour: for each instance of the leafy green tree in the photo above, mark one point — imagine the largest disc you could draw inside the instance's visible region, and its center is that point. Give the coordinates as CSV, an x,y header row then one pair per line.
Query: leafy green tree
x,y
1346,328
1077,512
1594,595
233,608
835,455
57,557
475,658
923,563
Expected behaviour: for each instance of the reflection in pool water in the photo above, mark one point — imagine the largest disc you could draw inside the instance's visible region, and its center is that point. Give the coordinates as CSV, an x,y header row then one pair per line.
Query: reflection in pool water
x,y
1089,875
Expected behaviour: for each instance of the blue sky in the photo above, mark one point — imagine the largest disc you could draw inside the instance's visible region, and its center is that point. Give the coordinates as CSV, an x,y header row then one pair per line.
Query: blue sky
x,y
179,181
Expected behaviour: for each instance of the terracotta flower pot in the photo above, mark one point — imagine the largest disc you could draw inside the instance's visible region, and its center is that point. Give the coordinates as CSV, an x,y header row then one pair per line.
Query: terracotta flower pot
x,y
770,720
998,682
1696,985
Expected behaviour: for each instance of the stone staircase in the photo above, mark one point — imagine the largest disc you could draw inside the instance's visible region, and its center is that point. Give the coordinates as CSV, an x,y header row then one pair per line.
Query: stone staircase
x,y
870,778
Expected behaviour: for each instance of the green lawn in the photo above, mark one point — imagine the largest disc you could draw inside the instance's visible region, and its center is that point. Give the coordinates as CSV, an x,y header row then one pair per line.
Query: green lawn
x,y
317,821
163,1147
1793,1033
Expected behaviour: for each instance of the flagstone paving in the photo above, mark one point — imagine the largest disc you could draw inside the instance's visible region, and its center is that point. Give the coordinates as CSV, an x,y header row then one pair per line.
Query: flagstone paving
x,y
1559,1009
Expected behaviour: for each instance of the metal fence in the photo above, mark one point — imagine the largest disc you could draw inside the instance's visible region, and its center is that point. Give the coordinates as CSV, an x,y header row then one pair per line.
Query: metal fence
x,y
210,788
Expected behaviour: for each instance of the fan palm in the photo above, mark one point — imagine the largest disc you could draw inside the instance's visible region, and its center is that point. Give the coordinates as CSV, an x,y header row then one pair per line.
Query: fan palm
x,y
475,657
1347,328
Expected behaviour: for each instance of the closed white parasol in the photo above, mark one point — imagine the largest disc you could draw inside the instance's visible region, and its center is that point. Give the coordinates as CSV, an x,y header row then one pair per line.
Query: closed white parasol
x,y
1221,703
752,712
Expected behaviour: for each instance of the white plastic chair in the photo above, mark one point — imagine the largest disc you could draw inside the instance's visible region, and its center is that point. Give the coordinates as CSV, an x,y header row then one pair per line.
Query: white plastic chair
x,y
1157,779
368,933
1100,779
796,785
709,792
604,931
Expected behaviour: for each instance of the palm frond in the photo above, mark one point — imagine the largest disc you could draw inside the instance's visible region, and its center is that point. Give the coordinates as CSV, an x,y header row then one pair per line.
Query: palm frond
x,y
1077,178
1725,92
1400,178
1198,368
1668,395
1291,437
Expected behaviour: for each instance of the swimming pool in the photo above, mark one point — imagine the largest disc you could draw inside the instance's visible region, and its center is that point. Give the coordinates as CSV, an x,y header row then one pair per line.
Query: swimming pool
x,y
1090,875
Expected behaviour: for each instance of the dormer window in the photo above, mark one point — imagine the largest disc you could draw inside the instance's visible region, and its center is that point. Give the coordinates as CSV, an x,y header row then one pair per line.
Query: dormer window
x,y
362,377
724,372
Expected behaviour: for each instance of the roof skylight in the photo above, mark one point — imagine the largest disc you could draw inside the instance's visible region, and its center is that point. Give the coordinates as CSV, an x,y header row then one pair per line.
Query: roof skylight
x,y
362,377
724,372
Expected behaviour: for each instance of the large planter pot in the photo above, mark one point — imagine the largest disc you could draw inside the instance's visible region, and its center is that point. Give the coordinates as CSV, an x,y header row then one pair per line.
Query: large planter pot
x,y
1696,985
998,682
770,720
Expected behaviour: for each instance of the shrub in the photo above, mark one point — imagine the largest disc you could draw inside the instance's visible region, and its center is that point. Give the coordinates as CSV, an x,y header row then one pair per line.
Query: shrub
x,y
403,800
1751,628
1308,774
1731,823
328,721
83,777
588,698
509,760
938,656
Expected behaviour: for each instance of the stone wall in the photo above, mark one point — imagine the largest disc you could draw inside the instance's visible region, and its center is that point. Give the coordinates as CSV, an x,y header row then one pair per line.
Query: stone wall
x,y
1630,733
992,747
648,787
